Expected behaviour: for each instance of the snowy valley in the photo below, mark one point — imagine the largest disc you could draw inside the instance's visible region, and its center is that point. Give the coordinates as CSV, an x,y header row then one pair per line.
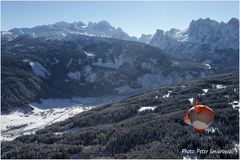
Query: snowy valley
x,y
48,111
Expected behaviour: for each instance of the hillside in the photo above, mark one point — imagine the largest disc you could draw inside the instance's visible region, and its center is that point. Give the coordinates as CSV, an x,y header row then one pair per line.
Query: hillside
x,y
39,68
145,125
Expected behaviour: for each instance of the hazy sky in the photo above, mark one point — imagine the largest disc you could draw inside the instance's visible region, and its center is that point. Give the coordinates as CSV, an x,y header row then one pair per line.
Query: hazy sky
x,y
134,18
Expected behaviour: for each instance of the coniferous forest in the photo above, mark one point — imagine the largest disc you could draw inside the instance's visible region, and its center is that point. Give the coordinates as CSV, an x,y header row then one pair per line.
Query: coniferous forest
x,y
120,130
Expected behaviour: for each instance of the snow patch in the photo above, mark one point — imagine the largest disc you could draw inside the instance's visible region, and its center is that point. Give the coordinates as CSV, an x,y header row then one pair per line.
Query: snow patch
x,y
204,92
191,100
147,108
56,61
167,95
187,157
6,33
18,45
185,38
89,54
236,147
175,63
89,75
74,75
69,62
226,96
38,69
63,34
21,31
147,65
235,104
208,66
219,86
212,129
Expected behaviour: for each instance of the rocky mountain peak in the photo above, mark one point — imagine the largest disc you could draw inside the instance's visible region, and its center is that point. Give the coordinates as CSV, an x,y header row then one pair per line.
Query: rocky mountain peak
x,y
233,21
62,29
145,38
61,24
201,41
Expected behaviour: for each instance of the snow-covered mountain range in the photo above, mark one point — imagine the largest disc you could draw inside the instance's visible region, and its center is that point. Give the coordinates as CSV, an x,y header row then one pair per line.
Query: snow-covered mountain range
x,y
60,30
203,39
201,32
74,59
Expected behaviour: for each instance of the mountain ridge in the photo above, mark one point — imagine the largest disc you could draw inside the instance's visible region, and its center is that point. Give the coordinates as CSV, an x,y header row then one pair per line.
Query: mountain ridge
x,y
60,29
205,40
80,26
90,64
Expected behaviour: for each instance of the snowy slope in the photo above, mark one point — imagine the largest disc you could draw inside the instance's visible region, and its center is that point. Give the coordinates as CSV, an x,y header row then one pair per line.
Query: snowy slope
x,y
38,69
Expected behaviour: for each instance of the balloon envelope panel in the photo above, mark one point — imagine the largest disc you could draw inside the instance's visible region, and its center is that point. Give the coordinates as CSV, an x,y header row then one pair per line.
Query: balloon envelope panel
x,y
200,117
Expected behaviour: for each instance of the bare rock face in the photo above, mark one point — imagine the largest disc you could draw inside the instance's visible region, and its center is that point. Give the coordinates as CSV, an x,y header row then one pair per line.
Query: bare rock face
x,y
204,40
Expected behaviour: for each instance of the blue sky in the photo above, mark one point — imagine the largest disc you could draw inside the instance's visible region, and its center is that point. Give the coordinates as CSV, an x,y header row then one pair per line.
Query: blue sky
x,y
133,17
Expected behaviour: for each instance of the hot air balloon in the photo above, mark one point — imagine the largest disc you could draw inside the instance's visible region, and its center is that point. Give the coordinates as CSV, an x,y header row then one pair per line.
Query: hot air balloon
x,y
200,117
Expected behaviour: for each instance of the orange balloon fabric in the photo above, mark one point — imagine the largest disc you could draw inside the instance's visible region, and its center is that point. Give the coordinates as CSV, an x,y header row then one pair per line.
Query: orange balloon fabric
x,y
200,117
